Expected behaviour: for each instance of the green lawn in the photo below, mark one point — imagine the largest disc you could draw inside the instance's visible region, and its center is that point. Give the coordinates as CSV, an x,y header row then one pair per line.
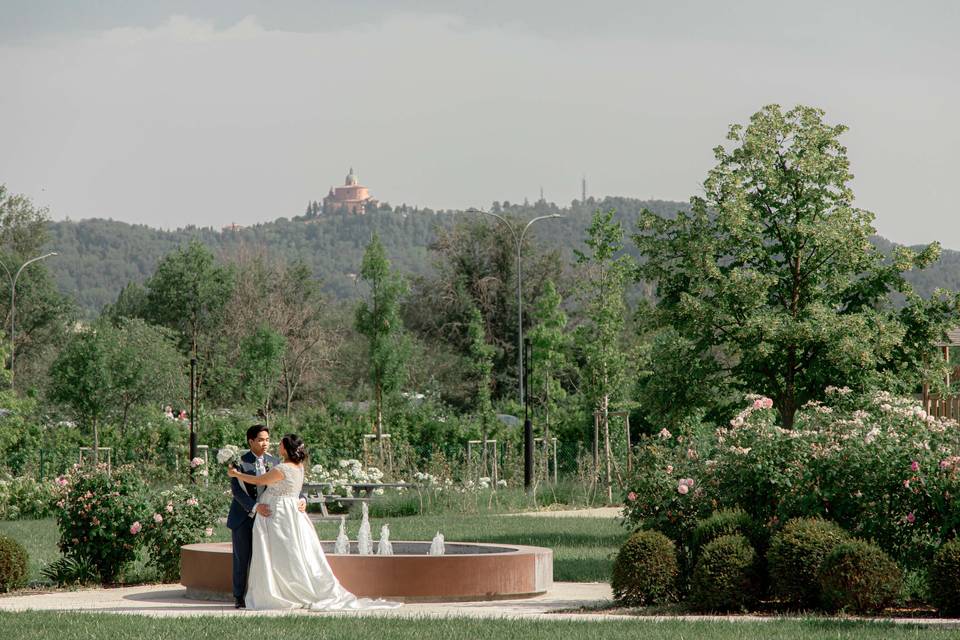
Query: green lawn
x,y
38,537
74,626
582,547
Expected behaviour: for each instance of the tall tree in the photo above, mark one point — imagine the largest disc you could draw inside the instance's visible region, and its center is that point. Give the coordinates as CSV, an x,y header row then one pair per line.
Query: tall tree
x,y
42,313
144,365
772,274
549,364
261,361
604,271
479,369
105,370
188,293
475,266
378,319
80,380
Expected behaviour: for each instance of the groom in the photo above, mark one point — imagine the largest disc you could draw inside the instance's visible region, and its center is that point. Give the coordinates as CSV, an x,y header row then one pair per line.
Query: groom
x,y
244,507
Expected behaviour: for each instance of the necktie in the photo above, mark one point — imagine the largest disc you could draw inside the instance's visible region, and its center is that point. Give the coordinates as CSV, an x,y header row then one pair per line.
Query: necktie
x,y
260,471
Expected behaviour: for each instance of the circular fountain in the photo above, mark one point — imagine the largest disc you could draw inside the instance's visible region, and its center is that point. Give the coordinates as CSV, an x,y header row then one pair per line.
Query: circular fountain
x,y
467,571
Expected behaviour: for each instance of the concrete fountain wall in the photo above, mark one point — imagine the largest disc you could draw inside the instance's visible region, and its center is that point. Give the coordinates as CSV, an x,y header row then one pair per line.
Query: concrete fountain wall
x,y
468,571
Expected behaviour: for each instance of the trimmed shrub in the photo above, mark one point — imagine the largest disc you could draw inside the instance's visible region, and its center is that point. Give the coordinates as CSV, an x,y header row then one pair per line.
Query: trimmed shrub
x,y
795,555
645,570
859,576
944,578
725,577
724,523
13,564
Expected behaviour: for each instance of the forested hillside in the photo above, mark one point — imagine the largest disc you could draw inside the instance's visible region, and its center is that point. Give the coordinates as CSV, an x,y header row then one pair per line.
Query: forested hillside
x,y
98,257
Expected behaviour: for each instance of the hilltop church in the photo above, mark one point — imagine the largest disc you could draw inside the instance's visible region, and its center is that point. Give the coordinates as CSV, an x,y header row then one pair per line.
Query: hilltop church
x,y
352,197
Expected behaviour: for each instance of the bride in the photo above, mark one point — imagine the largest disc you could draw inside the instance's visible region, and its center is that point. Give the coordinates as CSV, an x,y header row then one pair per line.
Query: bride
x,y
289,569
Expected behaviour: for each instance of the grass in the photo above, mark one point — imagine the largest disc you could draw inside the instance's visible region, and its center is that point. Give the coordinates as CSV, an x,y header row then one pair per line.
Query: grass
x,y
74,626
38,537
582,547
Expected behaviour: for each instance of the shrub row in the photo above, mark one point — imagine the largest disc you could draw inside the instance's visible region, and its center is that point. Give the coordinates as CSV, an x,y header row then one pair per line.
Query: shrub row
x,y
809,563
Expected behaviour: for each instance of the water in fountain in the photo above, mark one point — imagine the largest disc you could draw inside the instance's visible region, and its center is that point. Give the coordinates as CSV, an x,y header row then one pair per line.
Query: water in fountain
x,y
384,548
436,547
343,542
364,540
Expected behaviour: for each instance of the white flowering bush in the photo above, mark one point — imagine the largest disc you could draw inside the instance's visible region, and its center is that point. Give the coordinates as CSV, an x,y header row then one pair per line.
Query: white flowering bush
x,y
340,478
879,466
24,497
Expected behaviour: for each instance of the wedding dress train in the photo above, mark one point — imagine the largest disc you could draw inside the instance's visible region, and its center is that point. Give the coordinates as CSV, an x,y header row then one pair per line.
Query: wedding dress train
x,y
289,569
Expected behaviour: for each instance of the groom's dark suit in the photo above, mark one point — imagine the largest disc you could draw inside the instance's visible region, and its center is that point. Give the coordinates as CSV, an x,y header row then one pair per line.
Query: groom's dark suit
x,y
241,516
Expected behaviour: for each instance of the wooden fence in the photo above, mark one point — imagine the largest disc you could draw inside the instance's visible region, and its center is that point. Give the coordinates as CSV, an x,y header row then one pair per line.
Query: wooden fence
x,y
942,406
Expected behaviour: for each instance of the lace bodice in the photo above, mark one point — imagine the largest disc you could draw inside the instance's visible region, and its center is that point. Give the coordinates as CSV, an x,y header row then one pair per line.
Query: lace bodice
x,y
289,487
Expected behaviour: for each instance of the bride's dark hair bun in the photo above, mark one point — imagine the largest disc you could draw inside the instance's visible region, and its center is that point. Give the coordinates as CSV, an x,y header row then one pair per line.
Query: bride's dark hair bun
x,y
296,450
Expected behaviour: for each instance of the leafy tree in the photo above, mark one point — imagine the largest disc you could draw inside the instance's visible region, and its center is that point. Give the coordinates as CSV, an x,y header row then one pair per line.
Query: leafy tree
x,y
261,361
104,370
772,274
81,380
42,313
604,272
145,366
475,266
479,369
188,293
548,361
378,319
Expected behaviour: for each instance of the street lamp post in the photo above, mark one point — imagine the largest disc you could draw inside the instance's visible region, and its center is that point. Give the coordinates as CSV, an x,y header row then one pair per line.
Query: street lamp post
x,y
13,306
527,427
518,240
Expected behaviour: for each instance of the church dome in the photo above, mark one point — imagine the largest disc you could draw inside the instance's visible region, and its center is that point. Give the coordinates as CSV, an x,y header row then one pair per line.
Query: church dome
x,y
351,179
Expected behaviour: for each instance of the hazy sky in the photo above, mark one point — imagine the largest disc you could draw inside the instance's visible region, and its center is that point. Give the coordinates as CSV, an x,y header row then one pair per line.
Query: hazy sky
x,y
174,113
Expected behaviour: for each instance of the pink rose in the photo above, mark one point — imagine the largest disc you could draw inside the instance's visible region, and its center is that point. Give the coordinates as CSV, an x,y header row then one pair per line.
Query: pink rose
x,y
135,528
157,518
192,502
61,481
669,469
664,434
208,531
914,466
631,496
682,489
196,462
911,518
169,508
906,484
767,403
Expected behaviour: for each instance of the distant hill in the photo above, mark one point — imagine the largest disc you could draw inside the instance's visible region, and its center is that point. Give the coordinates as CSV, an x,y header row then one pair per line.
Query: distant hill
x,y
99,257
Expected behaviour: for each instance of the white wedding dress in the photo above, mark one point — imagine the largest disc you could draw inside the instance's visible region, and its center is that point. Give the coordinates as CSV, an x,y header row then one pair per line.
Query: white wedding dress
x,y
289,569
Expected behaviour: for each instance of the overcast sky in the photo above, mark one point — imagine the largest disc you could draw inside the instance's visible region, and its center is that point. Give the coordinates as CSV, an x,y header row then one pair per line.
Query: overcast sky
x,y
174,113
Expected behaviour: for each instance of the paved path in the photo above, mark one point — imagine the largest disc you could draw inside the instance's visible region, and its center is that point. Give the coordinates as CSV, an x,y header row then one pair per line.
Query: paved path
x,y
169,600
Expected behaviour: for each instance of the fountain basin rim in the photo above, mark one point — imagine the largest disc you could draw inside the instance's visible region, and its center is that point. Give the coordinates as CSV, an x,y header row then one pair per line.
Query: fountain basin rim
x,y
451,549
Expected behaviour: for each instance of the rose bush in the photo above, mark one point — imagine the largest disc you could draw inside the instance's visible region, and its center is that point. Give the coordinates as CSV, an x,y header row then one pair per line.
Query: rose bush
x,y
877,465
180,516
96,512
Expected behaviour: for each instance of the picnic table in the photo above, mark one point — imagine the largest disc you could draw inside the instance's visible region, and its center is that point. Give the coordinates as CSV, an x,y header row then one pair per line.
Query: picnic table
x,y
316,493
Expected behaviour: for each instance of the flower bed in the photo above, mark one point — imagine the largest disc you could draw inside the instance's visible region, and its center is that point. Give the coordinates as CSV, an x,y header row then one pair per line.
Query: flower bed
x,y
879,466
